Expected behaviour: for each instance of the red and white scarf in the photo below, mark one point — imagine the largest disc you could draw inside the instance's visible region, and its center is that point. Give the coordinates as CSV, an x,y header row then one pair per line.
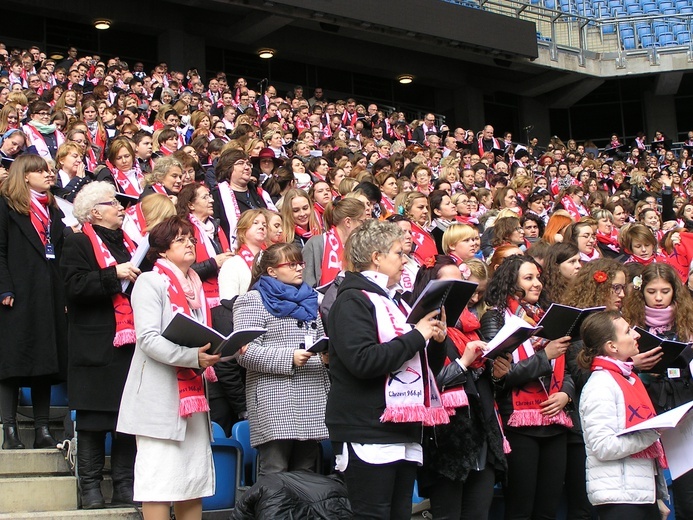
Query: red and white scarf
x,y
425,244
231,210
638,406
122,179
125,323
388,205
37,140
576,210
191,390
204,250
411,394
596,255
610,241
40,215
247,255
332,257
527,399
159,188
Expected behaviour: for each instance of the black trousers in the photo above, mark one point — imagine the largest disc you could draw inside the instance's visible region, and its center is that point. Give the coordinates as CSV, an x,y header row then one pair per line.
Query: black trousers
x,y
579,507
468,500
379,491
40,397
536,468
287,455
628,512
682,489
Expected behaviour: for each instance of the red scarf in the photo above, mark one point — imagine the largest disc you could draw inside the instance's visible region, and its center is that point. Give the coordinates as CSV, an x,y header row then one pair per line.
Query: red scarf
x,y
425,245
528,398
388,205
159,188
304,234
191,390
572,208
125,323
122,180
247,255
656,258
638,406
319,212
40,216
204,250
610,241
332,257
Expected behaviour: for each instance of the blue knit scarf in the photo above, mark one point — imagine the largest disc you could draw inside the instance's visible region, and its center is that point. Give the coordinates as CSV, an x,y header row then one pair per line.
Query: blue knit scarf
x,y
283,300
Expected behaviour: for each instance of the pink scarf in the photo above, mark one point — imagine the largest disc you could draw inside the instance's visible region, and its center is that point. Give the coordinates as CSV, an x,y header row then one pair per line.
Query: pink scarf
x,y
660,320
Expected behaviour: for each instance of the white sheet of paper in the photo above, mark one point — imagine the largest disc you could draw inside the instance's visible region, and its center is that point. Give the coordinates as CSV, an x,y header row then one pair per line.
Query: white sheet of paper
x,y
678,446
665,421
137,258
66,207
512,323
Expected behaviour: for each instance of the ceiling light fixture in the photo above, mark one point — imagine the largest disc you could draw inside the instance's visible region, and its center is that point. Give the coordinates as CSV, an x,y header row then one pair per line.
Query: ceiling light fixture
x,y
405,79
102,25
266,54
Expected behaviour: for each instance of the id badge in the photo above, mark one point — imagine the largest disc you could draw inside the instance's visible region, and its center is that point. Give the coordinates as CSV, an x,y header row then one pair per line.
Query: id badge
x,y
673,373
50,251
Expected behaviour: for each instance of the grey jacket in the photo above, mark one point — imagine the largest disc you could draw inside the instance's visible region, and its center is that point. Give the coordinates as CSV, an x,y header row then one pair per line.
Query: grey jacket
x,y
313,252
150,400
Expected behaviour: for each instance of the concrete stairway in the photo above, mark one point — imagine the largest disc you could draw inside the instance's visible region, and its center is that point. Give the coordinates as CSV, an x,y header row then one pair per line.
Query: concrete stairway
x,y
38,484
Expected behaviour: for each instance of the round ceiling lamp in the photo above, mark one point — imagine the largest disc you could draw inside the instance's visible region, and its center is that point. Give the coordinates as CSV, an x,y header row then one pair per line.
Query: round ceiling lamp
x,y
102,25
405,79
266,54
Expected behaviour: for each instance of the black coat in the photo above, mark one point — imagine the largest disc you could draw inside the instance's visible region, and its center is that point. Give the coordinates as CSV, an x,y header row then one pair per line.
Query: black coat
x,y
97,370
34,330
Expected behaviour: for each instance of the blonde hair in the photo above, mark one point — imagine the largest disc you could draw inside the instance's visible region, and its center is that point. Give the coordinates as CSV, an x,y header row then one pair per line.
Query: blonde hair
x,y
246,222
455,233
156,208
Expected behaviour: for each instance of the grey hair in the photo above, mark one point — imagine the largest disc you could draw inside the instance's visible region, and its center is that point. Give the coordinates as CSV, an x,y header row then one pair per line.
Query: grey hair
x,y
603,213
373,236
89,196
161,167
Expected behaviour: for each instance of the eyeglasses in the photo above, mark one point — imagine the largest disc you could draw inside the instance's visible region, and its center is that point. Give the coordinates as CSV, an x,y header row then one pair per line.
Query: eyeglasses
x,y
291,265
113,202
618,288
183,240
587,237
42,114
244,163
79,141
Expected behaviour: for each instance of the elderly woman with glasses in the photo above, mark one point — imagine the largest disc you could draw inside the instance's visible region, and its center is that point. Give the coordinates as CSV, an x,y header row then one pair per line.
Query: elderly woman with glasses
x,y
96,264
286,384
164,401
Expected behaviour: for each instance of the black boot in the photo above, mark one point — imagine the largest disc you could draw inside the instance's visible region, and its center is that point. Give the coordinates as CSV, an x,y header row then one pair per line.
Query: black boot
x,y
123,452
91,455
11,441
43,438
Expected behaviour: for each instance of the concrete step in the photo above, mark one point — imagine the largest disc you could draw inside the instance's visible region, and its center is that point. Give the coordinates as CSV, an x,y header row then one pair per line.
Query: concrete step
x,y
129,513
27,434
18,463
28,494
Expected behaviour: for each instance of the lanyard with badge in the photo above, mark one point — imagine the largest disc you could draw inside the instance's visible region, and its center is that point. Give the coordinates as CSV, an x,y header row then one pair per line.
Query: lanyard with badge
x,y
50,250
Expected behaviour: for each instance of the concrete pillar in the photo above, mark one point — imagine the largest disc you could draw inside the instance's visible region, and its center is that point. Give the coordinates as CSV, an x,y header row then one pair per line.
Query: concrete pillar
x,y
660,114
535,113
182,51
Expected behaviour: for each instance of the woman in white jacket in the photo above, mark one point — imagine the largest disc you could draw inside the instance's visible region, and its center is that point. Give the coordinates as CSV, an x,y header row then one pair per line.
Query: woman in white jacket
x,y
624,478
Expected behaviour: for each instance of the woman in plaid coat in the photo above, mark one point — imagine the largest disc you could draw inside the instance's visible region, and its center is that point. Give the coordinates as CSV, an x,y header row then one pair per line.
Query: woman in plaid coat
x,y
286,386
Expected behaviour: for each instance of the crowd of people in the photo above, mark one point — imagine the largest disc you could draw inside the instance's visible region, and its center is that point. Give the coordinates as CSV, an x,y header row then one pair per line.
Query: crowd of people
x,y
129,197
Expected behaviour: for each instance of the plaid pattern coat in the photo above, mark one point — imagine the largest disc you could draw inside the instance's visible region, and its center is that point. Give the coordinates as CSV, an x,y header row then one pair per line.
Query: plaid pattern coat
x,y
284,401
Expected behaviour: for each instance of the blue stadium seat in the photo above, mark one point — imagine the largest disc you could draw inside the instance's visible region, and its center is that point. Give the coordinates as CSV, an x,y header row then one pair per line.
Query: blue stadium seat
x,y
608,28
550,4
683,38
629,43
665,4
615,3
617,12
627,32
327,459
241,432
228,467
670,11
650,8
659,28
686,10
58,395
416,499
633,10
679,28
666,38
647,41
644,31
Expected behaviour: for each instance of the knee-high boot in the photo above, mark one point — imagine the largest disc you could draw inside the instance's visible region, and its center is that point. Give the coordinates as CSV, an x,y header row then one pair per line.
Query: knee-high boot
x,y
123,452
91,456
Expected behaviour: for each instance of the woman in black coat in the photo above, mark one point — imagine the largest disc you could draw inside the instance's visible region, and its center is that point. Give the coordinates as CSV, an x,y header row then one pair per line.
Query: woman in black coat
x,y
33,326
95,263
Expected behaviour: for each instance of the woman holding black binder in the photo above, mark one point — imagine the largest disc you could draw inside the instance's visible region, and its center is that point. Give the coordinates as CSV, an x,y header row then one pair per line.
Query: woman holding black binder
x,y
532,397
660,304
464,459
164,402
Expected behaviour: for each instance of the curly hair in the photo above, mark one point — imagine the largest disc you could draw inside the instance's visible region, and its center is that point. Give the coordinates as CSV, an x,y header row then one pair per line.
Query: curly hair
x,y
504,284
584,291
554,282
634,304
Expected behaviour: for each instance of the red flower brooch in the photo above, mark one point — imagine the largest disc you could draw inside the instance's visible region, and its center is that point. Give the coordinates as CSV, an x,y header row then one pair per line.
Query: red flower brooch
x,y
600,277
